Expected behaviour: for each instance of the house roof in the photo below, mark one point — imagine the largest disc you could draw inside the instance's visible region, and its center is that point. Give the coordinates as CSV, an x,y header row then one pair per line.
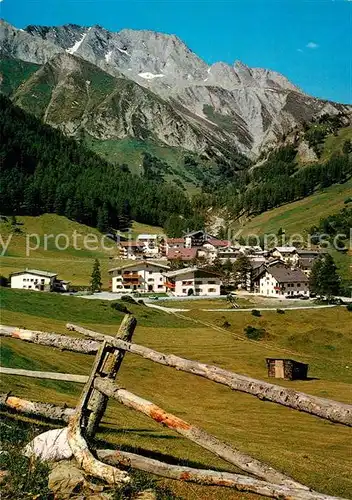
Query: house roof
x,y
307,252
139,263
37,272
182,253
202,232
287,275
306,262
130,244
186,270
147,237
218,243
285,249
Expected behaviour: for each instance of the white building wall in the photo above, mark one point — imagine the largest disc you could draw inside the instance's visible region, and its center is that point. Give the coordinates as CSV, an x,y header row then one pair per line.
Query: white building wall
x,y
206,287
28,281
151,279
268,284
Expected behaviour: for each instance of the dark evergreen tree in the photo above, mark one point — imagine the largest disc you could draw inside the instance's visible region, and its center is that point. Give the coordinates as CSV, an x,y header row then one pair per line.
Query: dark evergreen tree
x,y
95,283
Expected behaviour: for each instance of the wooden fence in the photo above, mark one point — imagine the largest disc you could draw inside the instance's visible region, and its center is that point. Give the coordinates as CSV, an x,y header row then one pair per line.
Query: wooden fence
x,y
83,421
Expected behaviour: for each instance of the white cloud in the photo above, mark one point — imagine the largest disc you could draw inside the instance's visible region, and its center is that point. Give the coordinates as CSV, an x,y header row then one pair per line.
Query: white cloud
x,y
312,45
299,50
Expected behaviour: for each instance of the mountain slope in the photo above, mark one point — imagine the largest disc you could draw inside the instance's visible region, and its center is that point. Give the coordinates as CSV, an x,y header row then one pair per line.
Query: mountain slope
x,y
245,108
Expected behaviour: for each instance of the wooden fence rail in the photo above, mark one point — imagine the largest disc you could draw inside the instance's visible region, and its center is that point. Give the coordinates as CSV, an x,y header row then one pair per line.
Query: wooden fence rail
x,y
99,386
324,408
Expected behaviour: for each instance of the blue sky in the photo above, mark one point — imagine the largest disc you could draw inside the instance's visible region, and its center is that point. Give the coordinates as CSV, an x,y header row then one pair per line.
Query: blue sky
x,y
309,41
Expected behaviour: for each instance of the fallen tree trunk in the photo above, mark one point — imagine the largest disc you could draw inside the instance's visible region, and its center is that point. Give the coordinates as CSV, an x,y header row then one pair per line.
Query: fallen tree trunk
x,y
66,377
63,342
321,407
208,477
195,434
43,410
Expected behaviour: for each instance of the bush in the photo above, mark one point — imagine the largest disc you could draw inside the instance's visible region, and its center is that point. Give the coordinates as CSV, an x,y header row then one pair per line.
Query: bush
x,y
119,307
280,311
349,307
129,299
141,302
253,333
4,281
256,313
226,324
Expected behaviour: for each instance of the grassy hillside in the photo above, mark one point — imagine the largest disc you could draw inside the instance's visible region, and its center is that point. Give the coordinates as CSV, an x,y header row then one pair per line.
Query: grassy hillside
x,y
73,263
334,143
300,215
311,450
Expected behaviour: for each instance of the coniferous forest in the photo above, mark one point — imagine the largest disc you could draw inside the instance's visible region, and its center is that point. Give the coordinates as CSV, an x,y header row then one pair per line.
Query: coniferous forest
x,y
44,171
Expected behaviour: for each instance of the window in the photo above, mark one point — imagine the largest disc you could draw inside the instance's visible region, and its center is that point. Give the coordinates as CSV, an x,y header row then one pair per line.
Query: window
x,y
160,286
211,290
42,281
198,290
187,283
211,282
298,284
32,280
184,290
151,280
161,278
198,282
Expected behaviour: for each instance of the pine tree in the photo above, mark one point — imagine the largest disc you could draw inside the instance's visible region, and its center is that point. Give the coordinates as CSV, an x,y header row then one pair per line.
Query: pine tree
x,y
242,269
95,282
324,279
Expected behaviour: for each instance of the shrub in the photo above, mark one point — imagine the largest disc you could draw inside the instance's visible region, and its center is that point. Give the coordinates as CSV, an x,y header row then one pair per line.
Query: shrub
x,y
4,281
226,324
256,313
280,311
119,307
253,333
141,302
129,299
349,307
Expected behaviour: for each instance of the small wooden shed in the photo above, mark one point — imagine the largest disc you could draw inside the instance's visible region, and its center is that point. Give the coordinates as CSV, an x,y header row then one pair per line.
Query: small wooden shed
x,y
288,369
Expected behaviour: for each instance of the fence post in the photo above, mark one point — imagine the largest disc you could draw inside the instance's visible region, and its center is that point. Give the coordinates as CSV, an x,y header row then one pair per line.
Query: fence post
x,y
98,402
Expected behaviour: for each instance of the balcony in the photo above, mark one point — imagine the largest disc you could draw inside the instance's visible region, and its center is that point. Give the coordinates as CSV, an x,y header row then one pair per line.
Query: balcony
x,y
168,284
130,276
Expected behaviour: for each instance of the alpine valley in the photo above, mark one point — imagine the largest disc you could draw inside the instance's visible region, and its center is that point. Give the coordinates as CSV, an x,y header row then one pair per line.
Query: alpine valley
x,y
144,101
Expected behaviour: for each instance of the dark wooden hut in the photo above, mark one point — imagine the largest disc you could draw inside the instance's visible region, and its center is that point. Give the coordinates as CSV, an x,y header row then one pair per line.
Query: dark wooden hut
x,y
288,369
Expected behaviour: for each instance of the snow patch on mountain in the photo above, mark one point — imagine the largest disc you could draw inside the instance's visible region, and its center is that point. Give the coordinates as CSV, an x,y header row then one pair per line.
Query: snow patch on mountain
x,y
108,56
77,45
150,76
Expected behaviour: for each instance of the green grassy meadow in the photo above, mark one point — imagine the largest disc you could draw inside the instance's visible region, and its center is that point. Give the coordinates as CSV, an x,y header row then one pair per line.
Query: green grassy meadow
x,y
75,262
300,215
311,450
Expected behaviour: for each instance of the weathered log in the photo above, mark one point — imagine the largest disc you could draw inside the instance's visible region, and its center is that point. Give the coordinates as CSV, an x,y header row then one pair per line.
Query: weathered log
x,y
98,402
195,434
78,444
321,407
208,477
43,410
66,377
63,342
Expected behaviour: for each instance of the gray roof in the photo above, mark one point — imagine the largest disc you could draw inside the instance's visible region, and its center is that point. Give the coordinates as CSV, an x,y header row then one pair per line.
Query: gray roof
x,y
47,274
185,270
287,275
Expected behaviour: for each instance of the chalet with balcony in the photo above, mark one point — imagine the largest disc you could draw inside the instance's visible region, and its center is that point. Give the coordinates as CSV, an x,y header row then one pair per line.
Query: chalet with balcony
x,y
34,279
143,277
282,281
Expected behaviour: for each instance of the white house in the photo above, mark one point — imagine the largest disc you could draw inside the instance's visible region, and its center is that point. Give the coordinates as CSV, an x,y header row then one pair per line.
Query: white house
x,y
193,281
282,281
33,279
287,254
142,276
